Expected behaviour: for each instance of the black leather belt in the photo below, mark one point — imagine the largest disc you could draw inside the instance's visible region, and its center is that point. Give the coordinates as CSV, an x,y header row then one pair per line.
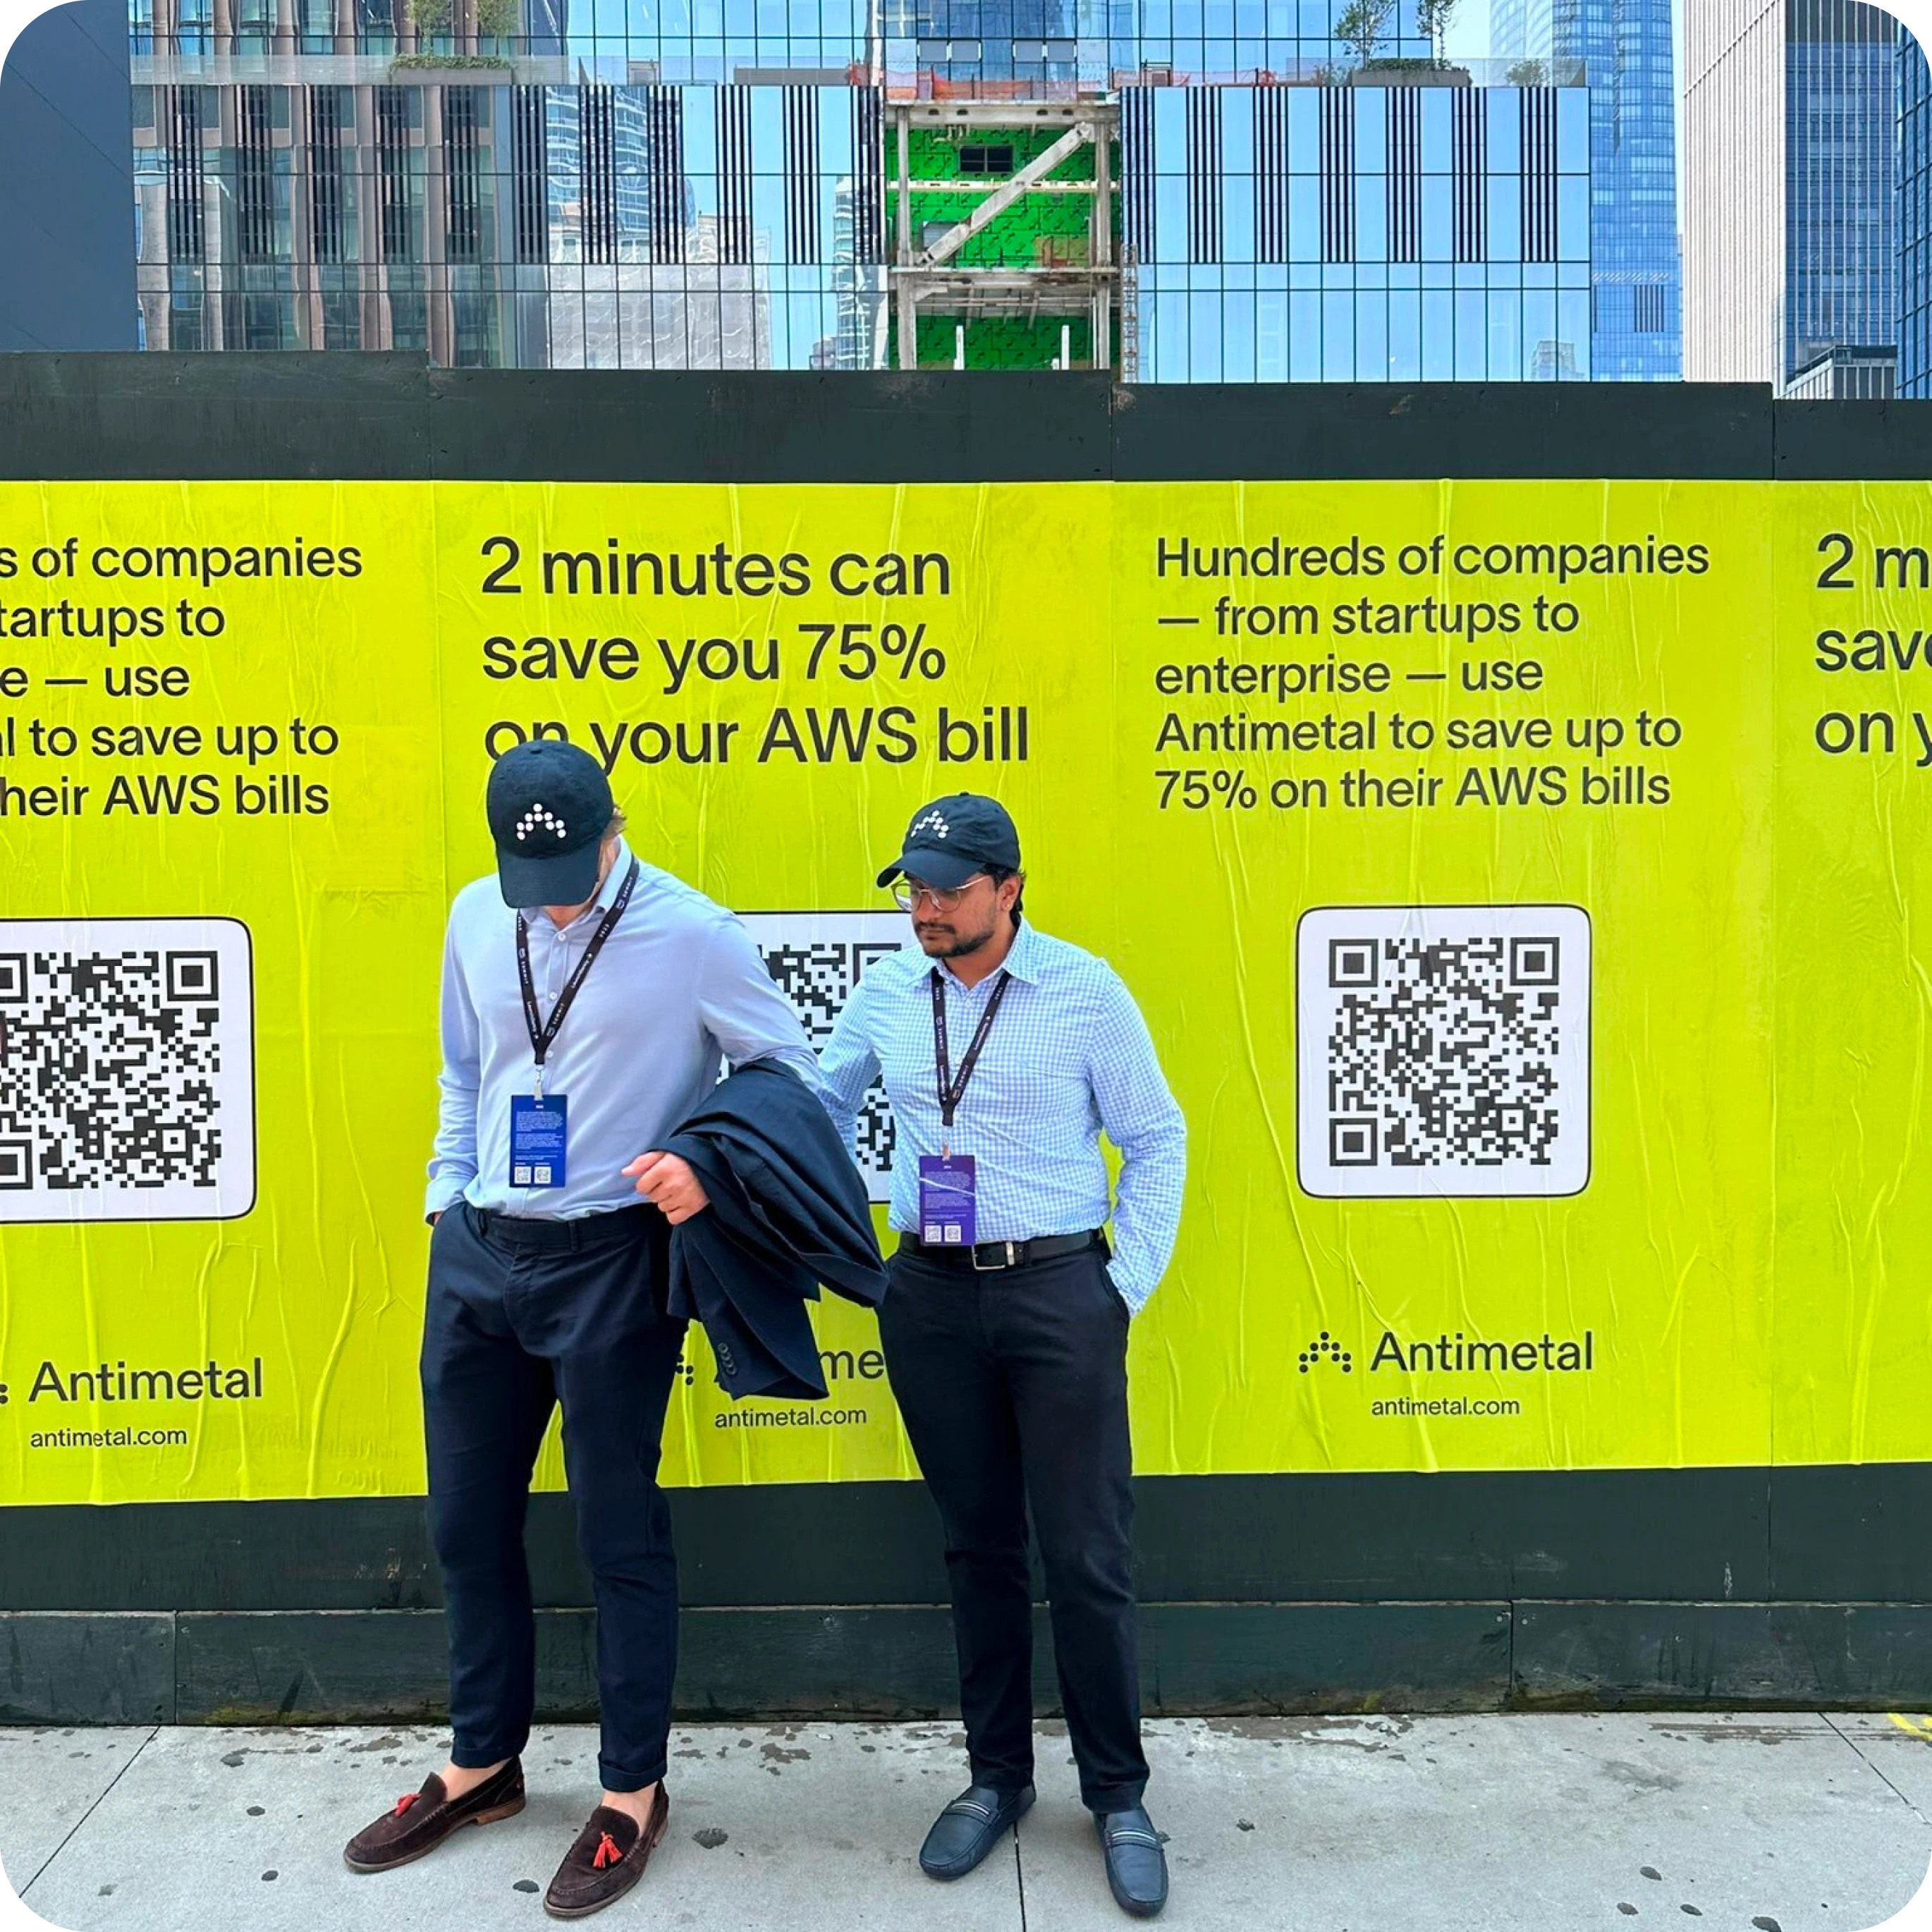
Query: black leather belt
x,y
990,1256
525,1233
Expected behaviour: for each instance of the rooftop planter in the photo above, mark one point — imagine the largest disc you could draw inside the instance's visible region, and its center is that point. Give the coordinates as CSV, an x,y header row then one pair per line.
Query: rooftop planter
x,y
429,68
1406,73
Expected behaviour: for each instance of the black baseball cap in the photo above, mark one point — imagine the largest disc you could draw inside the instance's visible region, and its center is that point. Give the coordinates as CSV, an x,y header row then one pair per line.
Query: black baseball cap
x,y
549,805
954,839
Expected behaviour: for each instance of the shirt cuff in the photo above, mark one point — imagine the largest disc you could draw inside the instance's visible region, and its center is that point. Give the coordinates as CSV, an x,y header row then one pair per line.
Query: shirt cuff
x,y
1136,1298
442,1195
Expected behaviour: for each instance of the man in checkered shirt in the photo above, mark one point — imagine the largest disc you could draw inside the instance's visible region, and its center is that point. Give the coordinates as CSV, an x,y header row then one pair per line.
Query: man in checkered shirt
x,y
1005,1055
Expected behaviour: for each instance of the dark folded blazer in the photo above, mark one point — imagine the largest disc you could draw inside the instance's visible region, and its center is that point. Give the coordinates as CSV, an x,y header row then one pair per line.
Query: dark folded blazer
x,y
788,1213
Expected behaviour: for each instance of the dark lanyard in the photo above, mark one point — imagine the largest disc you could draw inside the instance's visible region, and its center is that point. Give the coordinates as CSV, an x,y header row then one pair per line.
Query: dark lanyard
x,y
543,1033
952,1092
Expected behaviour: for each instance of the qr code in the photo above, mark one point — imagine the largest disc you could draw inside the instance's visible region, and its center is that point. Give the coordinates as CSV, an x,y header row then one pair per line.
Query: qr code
x,y
817,958
1443,1050
127,1070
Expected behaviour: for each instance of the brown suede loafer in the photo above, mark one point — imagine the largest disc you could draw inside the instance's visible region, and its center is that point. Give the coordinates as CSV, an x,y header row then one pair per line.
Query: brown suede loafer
x,y
608,1858
420,1820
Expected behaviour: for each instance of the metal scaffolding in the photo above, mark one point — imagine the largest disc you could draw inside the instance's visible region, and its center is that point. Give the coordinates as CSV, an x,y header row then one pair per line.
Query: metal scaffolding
x,y
926,275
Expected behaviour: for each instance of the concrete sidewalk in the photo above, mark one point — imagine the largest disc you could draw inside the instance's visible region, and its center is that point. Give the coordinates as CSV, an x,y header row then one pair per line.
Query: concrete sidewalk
x,y
1507,1824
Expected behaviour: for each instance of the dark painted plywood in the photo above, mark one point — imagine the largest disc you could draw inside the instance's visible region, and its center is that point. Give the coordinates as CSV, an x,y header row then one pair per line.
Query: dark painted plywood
x,y
355,1666
1207,1658
1488,1534
59,1669
769,427
1687,1533
213,417
1780,1656
1848,1533
896,1663
1352,432
893,1662
1856,442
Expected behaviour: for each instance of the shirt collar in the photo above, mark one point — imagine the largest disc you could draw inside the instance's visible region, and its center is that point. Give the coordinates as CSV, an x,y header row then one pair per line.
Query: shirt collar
x,y
614,880
1022,960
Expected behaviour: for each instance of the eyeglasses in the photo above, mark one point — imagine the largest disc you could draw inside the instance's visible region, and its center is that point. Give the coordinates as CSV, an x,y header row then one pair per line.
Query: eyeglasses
x,y
907,893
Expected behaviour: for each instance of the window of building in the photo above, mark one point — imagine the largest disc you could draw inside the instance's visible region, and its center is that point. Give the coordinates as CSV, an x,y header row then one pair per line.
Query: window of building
x,y
986,160
393,173
254,177
462,110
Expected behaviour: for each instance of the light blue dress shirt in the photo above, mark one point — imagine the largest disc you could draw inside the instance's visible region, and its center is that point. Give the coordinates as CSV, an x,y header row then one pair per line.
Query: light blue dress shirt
x,y
1068,1057
678,989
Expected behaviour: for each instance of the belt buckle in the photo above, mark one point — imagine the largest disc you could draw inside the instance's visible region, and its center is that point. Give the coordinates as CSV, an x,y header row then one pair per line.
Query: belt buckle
x,y
994,1268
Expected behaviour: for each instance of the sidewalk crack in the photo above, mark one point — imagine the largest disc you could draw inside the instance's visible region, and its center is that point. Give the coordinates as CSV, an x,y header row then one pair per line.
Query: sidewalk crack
x,y
1019,1876
1864,1759
154,1733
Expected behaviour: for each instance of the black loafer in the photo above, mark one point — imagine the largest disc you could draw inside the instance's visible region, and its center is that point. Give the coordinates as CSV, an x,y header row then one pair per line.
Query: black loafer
x,y
1136,1865
969,1828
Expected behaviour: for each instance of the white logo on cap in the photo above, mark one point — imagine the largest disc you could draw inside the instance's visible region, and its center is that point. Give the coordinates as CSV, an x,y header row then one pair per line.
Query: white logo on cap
x,y
932,818
538,817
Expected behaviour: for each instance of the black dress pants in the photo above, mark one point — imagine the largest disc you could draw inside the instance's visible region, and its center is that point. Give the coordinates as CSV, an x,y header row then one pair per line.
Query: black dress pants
x,y
522,1315
1013,1386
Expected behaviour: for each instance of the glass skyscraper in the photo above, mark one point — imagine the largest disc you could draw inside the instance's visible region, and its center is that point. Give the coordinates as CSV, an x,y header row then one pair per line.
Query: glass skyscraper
x,y
1841,96
1791,213
1915,220
710,183
1624,48
1386,233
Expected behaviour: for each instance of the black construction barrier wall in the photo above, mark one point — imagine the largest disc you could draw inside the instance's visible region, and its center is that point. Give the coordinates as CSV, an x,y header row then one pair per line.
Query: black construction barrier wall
x,y
1745,1586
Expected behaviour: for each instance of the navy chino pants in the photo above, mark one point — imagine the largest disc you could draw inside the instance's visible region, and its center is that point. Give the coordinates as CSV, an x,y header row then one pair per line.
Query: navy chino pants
x,y
523,1315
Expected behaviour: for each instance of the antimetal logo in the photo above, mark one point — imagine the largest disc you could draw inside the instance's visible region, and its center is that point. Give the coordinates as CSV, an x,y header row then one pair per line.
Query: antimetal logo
x,y
1325,1348
539,817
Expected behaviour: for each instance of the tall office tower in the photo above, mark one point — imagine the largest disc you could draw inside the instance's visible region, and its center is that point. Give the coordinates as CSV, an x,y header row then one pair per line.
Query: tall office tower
x,y
1622,48
1790,260
1915,220
66,228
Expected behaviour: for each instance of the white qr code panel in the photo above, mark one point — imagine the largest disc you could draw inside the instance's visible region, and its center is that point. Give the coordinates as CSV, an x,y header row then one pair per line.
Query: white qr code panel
x,y
816,959
127,1070
1443,1050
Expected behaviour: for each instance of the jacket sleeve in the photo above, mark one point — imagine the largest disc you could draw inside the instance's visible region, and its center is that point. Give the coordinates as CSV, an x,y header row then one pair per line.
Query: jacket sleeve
x,y
744,1011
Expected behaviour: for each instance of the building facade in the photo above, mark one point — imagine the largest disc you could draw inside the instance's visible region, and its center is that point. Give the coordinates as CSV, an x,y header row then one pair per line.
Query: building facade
x,y
1383,233
66,256
1791,227
715,185
510,189
1622,49
1915,220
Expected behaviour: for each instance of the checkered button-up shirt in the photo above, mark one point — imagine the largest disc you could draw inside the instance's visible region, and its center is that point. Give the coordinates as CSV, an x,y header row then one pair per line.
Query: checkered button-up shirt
x,y
1068,1058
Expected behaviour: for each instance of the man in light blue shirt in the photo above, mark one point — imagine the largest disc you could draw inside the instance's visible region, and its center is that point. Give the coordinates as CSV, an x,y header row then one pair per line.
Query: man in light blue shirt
x,y
1006,1055
678,989
588,1002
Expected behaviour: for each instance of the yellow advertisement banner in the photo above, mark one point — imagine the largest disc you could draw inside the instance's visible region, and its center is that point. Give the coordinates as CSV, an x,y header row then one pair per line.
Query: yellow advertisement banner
x,y
1518,880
